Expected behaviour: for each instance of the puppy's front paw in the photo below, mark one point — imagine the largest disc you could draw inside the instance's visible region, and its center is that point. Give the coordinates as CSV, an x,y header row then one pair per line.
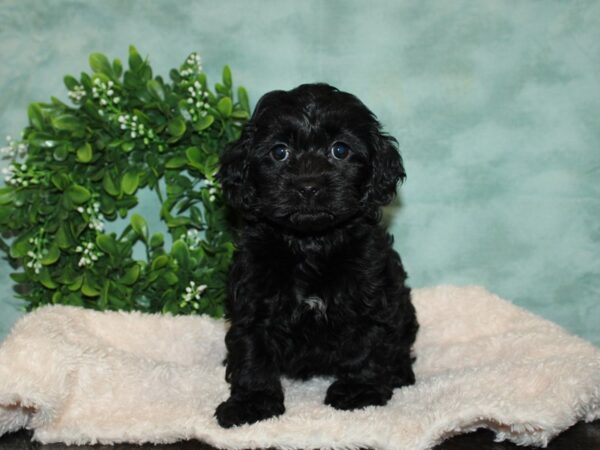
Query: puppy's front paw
x,y
249,409
353,395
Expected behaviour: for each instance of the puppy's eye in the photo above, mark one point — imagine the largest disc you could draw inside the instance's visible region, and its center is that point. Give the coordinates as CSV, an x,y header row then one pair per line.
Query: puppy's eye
x,y
339,150
280,153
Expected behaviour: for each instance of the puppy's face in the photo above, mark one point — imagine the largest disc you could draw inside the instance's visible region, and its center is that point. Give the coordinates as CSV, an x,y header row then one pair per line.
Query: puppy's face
x,y
309,159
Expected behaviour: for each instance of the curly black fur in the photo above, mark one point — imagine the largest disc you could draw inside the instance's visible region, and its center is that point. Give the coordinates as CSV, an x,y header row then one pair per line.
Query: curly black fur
x,y
315,287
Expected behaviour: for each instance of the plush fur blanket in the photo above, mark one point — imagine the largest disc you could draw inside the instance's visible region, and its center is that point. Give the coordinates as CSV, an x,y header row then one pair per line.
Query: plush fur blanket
x,y
80,376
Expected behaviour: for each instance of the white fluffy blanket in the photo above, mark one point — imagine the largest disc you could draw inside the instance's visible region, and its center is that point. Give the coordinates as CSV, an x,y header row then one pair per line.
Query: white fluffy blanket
x,y
80,376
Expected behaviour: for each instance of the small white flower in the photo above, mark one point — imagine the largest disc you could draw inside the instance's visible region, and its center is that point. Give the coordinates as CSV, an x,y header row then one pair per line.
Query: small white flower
x,y
193,292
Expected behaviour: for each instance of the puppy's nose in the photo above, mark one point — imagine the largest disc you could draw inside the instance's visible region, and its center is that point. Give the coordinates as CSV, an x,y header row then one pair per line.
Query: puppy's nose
x,y
308,188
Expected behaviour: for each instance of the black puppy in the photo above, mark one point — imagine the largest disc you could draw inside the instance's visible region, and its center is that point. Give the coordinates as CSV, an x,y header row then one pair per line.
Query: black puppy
x,y
315,287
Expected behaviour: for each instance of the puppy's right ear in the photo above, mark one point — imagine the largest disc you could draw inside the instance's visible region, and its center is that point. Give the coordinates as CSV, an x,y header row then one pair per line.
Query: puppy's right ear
x,y
233,174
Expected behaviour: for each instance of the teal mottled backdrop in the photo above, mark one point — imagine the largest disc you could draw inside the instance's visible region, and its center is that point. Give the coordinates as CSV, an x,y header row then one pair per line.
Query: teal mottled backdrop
x,y
496,105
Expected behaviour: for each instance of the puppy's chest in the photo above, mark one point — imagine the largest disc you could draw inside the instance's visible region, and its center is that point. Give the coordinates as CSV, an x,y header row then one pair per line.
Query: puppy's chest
x,y
316,289
316,301
308,305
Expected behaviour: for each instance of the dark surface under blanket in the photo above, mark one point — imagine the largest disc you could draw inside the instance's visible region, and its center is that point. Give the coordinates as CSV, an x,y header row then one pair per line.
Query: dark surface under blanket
x,y
582,436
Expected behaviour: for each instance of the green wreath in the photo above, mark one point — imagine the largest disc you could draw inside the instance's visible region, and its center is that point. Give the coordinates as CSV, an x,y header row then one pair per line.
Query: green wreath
x,y
77,167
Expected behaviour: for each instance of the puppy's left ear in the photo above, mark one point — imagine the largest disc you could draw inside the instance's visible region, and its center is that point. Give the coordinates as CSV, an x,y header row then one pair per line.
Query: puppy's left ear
x,y
386,169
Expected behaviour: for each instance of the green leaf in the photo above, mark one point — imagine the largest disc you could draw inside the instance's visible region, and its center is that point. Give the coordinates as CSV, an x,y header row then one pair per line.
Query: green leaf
x,y
130,182
131,275
61,152
177,126
139,225
70,82
104,294
84,153
157,240
46,279
89,287
67,276
117,67
225,106
227,76
109,185
64,238
135,60
243,99
20,246
159,262
239,114
42,139
5,213
100,64
156,90
204,122
66,122
52,256
19,277
169,302
194,155
60,180
7,195
73,299
75,285
170,278
78,194
127,146
107,244
36,117
176,162
181,253
223,90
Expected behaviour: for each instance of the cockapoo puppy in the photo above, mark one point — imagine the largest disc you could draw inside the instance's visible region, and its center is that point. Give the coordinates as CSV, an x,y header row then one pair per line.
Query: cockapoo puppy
x,y
315,287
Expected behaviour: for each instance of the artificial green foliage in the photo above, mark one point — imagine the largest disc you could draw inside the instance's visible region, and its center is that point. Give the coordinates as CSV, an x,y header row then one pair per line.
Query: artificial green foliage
x,y
79,166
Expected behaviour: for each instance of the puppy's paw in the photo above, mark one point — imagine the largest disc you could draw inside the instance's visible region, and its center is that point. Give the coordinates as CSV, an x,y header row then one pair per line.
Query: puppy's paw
x,y
353,395
249,409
